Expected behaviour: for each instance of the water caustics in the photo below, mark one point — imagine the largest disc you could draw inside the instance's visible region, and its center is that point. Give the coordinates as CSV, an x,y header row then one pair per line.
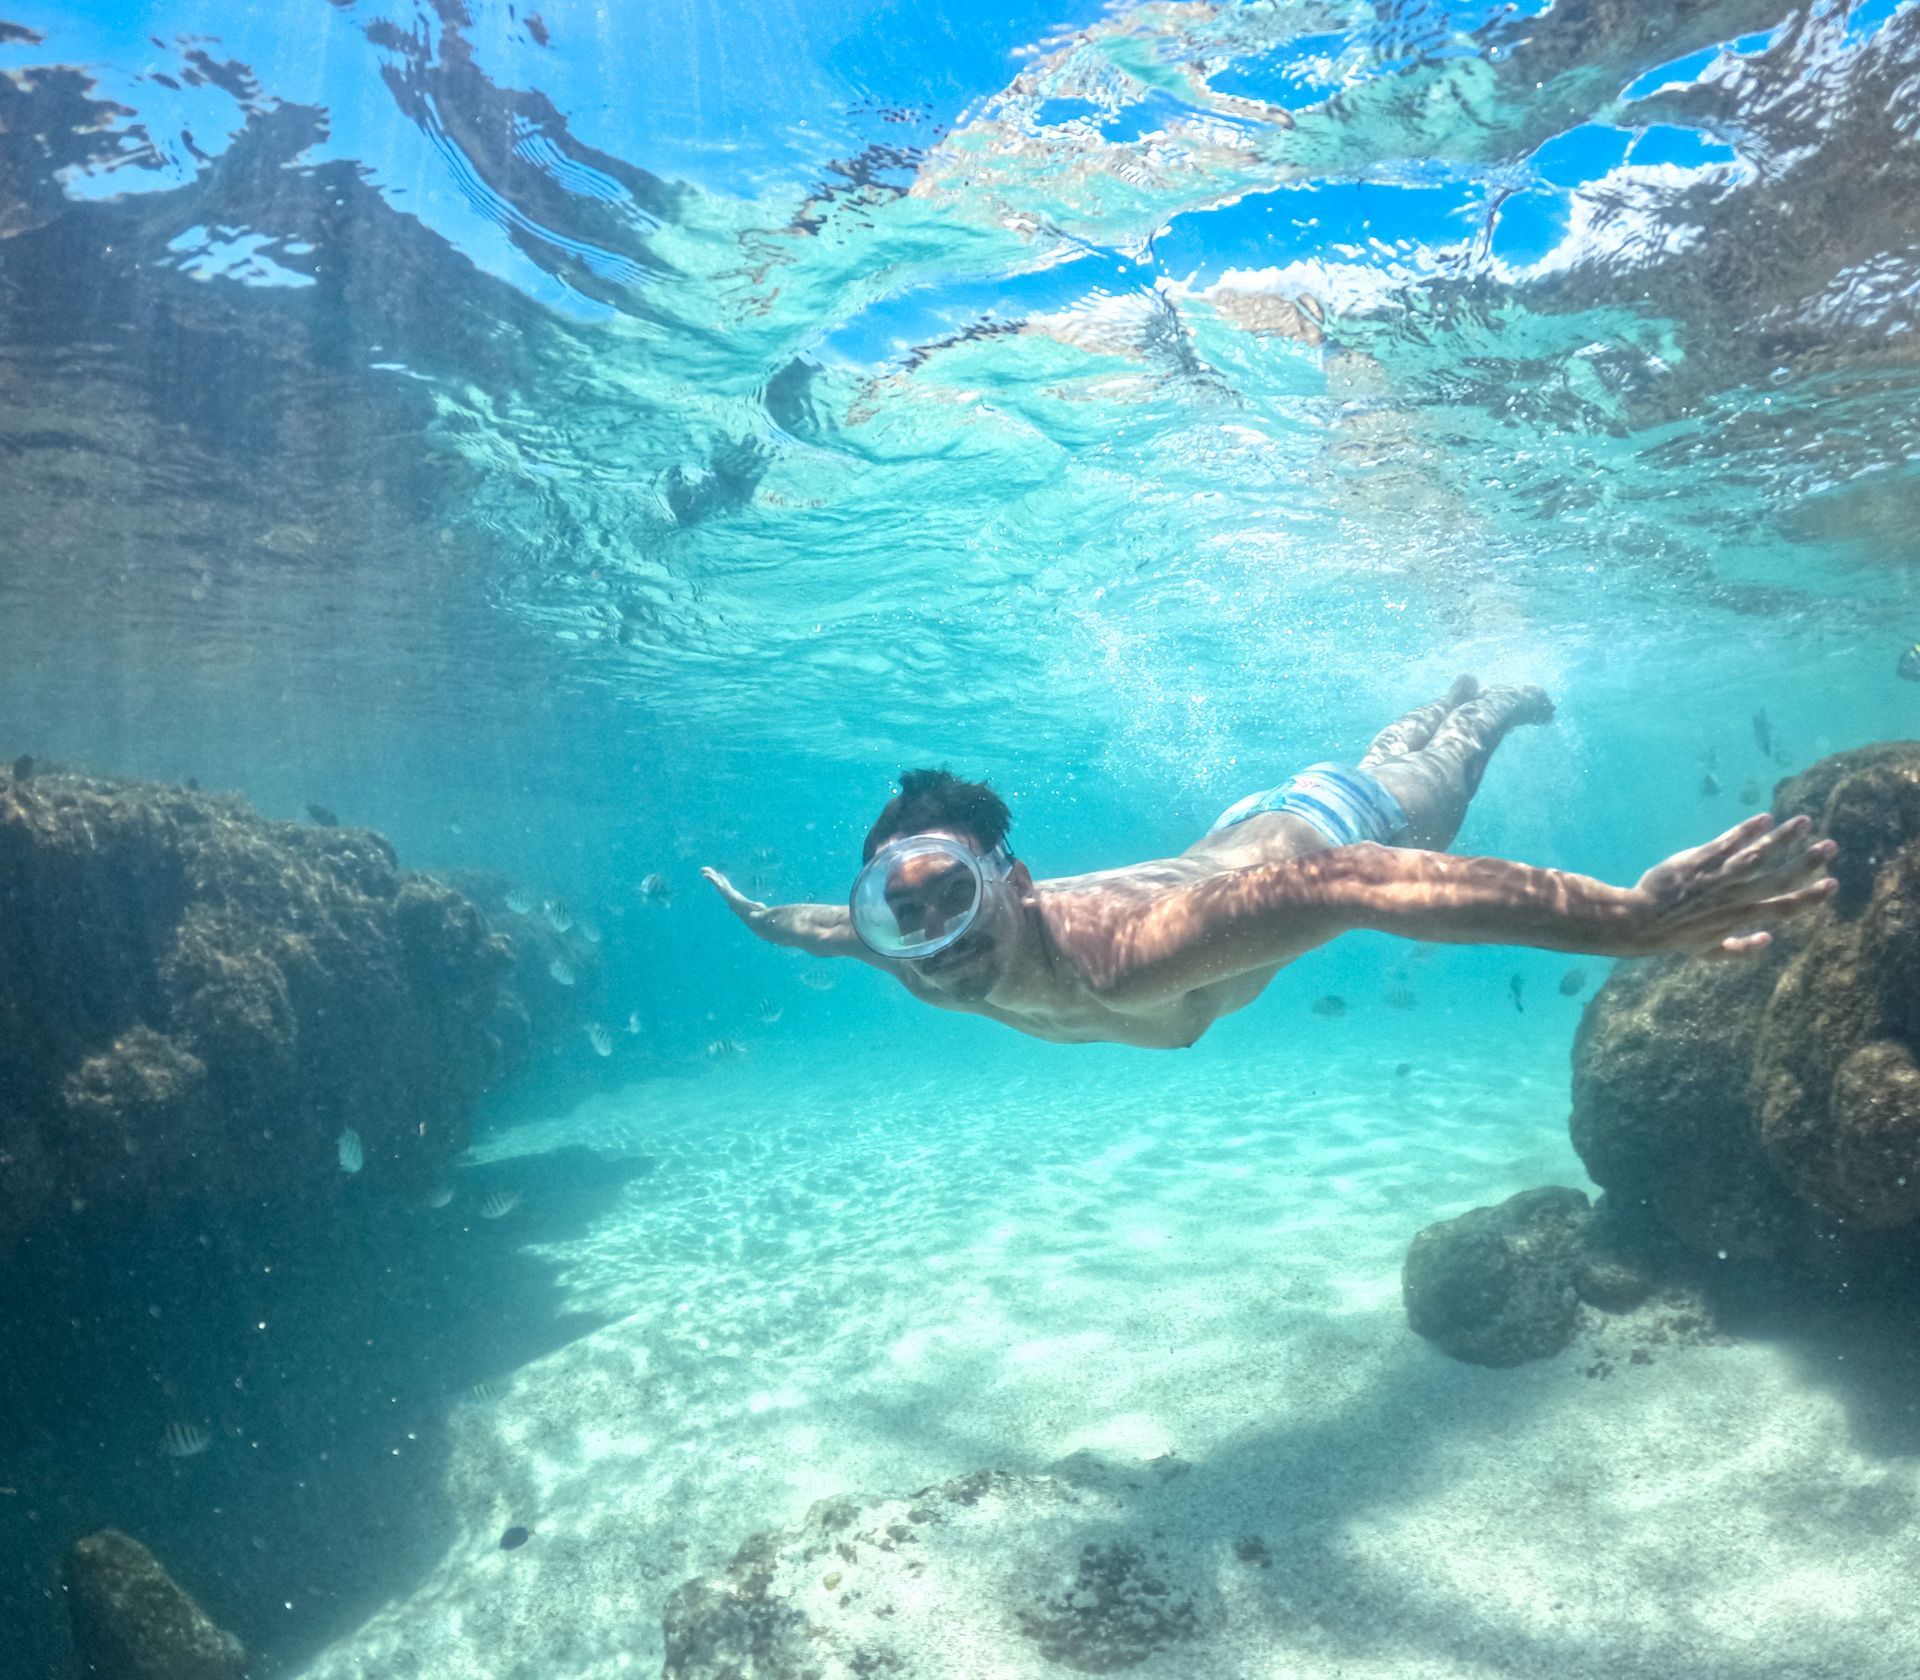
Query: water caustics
x,y
1315,332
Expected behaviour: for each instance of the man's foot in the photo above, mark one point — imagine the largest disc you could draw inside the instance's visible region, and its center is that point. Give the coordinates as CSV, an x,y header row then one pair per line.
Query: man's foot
x,y
1524,703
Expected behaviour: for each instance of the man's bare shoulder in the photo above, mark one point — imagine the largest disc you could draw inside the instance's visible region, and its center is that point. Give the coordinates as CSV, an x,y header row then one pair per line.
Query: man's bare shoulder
x,y
1131,885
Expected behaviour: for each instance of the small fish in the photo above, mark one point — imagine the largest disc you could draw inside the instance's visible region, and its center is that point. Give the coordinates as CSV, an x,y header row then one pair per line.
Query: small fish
x,y
497,1204
559,917
1750,792
1763,733
184,1440
1908,667
352,1156
766,1012
1711,758
1399,997
1329,1006
764,857
1709,786
600,1039
589,931
1517,987
484,1393
1573,982
1403,1070
656,889
718,1049
562,972
816,979
322,816
520,903
513,1539
438,1197
23,765
633,1023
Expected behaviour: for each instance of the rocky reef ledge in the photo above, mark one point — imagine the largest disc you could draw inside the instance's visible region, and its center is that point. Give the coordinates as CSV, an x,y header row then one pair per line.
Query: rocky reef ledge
x,y
1756,1120
196,1002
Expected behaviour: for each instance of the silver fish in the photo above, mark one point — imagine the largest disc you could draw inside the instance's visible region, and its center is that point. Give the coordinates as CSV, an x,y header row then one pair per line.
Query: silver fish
x,y
633,1022
766,1012
438,1197
600,1039
816,979
1909,665
559,917
562,971
590,931
764,857
184,1440
718,1049
484,1393
521,904
352,1156
656,889
497,1204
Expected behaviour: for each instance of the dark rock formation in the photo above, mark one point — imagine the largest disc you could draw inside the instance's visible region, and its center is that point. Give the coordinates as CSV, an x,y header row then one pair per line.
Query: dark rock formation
x,y
1496,1285
194,1002
131,1622
1771,1110
1662,1111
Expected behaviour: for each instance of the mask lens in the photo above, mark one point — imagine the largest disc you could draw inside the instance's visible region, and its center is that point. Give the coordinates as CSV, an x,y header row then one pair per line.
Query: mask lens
x,y
916,896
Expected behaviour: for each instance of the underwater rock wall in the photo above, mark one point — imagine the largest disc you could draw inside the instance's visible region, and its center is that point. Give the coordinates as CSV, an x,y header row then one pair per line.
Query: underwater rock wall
x,y
1765,1111
196,1002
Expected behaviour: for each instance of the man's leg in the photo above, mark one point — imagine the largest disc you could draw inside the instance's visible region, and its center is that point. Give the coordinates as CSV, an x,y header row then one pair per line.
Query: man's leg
x,y
1412,732
1435,782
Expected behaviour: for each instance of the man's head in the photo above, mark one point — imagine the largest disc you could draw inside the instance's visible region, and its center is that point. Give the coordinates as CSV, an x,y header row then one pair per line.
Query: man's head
x,y
942,867
937,801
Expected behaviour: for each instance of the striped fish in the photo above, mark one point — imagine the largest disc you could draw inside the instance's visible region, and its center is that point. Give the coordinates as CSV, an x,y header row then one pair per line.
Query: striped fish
x,y
184,1440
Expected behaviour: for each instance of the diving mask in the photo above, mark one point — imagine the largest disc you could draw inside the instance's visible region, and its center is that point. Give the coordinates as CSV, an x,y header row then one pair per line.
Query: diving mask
x,y
920,893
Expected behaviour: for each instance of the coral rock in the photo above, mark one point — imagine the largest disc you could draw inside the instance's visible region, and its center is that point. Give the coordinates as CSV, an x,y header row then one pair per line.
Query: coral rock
x,y
195,1001
1496,1285
131,1622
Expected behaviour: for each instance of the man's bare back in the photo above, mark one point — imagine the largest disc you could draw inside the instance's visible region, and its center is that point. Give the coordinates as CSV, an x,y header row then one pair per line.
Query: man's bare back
x,y
1154,953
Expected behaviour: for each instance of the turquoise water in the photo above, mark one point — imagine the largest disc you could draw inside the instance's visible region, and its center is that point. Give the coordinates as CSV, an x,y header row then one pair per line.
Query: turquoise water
x,y
619,440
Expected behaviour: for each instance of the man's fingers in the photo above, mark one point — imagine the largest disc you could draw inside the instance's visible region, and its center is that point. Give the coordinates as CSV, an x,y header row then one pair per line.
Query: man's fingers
x,y
1716,852
1771,848
1798,903
1741,945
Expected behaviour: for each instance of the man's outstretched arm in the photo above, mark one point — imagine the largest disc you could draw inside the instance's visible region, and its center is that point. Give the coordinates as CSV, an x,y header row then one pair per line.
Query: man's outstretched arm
x,y
1716,900
823,930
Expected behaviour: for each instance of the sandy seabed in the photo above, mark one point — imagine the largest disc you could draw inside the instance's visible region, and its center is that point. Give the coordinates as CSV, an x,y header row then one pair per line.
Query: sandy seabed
x,y
1182,1285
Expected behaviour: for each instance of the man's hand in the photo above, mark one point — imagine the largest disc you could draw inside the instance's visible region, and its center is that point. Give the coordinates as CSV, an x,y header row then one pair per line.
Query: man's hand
x,y
821,930
749,910
1716,900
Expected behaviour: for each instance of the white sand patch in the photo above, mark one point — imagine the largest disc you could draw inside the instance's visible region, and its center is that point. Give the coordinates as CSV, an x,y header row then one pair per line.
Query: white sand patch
x,y
826,1287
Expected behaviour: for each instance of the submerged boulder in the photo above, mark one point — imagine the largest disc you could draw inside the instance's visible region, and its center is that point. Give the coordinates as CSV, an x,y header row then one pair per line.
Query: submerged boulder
x,y
1496,1286
196,1002
1769,1110
132,1622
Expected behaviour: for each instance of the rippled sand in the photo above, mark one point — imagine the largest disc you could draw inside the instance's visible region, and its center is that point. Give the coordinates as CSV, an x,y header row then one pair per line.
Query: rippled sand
x,y
836,1281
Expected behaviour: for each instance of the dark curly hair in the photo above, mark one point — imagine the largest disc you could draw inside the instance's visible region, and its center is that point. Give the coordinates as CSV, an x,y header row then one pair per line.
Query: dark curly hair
x,y
939,799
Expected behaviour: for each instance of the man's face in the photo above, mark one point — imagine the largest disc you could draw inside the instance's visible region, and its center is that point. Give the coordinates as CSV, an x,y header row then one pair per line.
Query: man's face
x,y
929,893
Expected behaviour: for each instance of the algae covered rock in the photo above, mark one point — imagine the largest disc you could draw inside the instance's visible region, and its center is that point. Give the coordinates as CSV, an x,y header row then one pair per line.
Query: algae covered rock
x,y
1770,1110
1663,1113
195,1002
132,1622
1496,1286
991,1573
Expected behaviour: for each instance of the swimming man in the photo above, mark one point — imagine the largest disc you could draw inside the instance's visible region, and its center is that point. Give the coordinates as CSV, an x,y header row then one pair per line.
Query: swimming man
x,y
1154,953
